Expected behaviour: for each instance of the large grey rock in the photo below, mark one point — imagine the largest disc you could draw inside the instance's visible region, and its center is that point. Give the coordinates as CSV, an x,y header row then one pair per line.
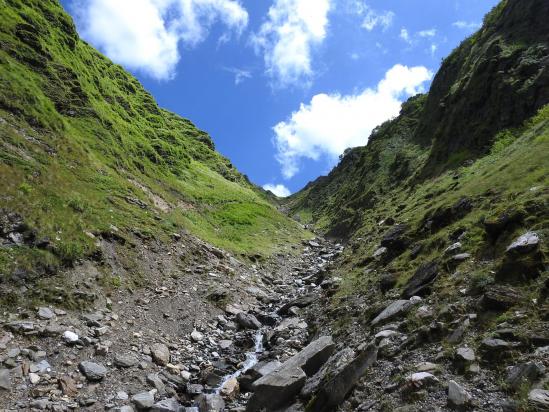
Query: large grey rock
x,y
167,405
300,302
523,260
276,389
160,354
5,380
125,360
256,372
539,399
421,280
331,368
335,388
92,371
247,321
463,358
524,244
313,356
397,308
524,373
210,403
496,348
143,400
457,395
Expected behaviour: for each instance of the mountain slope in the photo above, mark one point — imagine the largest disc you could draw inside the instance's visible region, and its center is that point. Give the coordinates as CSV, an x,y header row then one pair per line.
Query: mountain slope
x,y
86,153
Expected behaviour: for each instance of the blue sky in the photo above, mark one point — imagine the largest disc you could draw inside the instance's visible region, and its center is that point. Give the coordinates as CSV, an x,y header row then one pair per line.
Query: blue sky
x,y
282,86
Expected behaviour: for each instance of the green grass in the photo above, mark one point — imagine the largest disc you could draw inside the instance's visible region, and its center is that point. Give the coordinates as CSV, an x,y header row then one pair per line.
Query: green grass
x,y
85,150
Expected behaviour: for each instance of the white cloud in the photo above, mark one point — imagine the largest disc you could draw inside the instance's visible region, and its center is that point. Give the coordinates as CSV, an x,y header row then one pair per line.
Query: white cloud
x,y
330,123
278,190
434,49
373,19
466,25
144,34
404,35
239,74
287,38
427,33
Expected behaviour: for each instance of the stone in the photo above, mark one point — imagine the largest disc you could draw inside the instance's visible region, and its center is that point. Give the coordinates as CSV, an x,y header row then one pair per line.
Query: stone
x,y
34,378
495,348
311,358
428,367
524,244
154,380
160,354
397,308
335,387
143,400
276,389
394,239
500,297
539,399
422,379
457,395
125,408
5,380
452,249
67,385
463,358
300,302
527,372
257,371
92,371
210,403
247,321
388,282
45,313
70,337
167,405
196,336
380,252
421,280
230,388
125,360
523,260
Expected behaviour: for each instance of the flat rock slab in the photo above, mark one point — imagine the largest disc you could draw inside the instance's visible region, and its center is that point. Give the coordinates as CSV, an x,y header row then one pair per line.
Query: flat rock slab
x,y
276,389
398,307
143,401
539,399
422,279
313,356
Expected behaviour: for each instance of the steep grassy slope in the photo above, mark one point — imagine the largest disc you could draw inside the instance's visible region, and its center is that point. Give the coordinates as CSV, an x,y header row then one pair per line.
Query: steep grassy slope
x,y
397,217
85,153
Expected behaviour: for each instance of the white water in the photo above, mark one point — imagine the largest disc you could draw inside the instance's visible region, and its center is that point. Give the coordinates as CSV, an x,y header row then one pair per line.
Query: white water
x,y
251,360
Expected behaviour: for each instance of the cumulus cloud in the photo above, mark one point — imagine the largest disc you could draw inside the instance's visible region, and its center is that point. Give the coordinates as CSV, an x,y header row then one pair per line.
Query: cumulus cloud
x,y
427,33
330,123
373,19
279,190
144,34
404,35
287,38
466,25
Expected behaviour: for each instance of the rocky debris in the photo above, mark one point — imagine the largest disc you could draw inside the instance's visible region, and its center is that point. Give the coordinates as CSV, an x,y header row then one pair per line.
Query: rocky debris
x,y
92,371
527,372
395,239
539,399
247,321
388,282
395,309
300,302
336,384
125,360
277,389
143,401
523,260
167,405
496,348
446,215
67,386
458,397
422,279
160,354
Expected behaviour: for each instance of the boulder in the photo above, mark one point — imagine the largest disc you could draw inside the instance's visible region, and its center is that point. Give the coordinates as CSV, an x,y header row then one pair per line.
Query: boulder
x,y
527,372
388,282
395,239
496,348
301,302
335,387
464,358
538,399
311,358
247,321
419,284
167,405
523,260
45,313
397,308
5,380
160,354
143,401
458,397
92,371
256,372
276,389
501,297
125,360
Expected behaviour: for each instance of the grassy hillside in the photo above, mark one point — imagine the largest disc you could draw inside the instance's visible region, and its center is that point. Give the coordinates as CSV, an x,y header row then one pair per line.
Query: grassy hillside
x,y
85,152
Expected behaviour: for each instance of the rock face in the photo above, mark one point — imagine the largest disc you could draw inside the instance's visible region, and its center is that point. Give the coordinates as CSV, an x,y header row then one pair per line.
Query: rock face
x,y
539,399
421,281
501,297
524,373
92,371
335,387
276,389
